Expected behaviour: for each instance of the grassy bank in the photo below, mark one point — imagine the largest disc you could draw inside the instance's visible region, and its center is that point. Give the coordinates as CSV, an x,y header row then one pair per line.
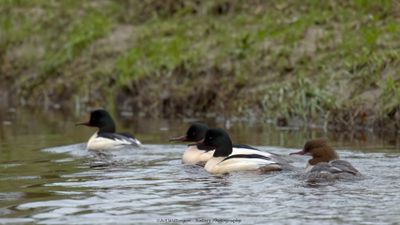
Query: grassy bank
x,y
331,63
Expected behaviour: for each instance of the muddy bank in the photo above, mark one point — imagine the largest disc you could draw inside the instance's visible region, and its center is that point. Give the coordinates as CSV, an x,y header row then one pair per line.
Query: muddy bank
x,y
208,94
334,66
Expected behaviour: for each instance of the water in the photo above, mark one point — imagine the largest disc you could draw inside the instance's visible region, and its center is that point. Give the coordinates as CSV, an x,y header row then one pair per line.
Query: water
x,y
47,177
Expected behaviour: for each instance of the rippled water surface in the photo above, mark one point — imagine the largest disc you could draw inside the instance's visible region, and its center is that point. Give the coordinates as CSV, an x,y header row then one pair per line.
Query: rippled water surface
x,y
47,176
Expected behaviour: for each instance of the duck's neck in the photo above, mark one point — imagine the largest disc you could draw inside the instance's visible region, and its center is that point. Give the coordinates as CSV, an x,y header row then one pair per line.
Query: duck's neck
x,y
326,155
109,128
224,149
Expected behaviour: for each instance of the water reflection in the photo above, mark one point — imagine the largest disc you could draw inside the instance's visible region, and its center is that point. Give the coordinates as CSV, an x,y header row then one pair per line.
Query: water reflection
x,y
24,123
47,176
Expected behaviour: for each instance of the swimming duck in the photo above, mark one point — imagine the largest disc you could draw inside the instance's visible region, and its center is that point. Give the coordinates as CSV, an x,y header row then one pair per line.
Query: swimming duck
x,y
226,159
106,138
199,154
325,162
193,155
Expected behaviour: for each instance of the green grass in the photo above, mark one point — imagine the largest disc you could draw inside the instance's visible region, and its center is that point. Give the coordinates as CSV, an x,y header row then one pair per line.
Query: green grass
x,y
300,97
149,55
390,96
82,33
284,58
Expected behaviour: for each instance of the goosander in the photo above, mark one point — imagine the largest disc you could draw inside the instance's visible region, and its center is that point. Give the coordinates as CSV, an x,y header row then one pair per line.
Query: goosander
x,y
193,155
106,138
199,154
226,159
325,164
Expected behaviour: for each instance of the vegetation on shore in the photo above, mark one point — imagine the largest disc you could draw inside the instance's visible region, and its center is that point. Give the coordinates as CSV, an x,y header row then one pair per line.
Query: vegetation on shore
x,y
329,63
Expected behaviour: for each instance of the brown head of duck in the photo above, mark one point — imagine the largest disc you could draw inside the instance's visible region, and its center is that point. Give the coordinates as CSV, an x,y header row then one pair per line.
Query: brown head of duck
x,y
319,150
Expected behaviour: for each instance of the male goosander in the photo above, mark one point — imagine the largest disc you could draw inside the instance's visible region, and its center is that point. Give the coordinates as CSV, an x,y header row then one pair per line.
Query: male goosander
x,y
199,154
325,163
225,159
193,155
106,138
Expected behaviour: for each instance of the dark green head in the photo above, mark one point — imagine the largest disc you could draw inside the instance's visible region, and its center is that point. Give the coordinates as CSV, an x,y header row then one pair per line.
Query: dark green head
x,y
195,133
101,119
220,140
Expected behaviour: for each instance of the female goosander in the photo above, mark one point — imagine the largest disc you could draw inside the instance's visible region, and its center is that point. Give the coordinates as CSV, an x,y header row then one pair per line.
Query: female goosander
x,y
193,155
225,159
106,138
325,163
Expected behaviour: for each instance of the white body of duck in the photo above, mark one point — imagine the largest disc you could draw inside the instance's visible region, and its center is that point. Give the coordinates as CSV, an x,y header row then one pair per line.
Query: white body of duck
x,y
106,138
227,159
111,141
221,165
194,156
